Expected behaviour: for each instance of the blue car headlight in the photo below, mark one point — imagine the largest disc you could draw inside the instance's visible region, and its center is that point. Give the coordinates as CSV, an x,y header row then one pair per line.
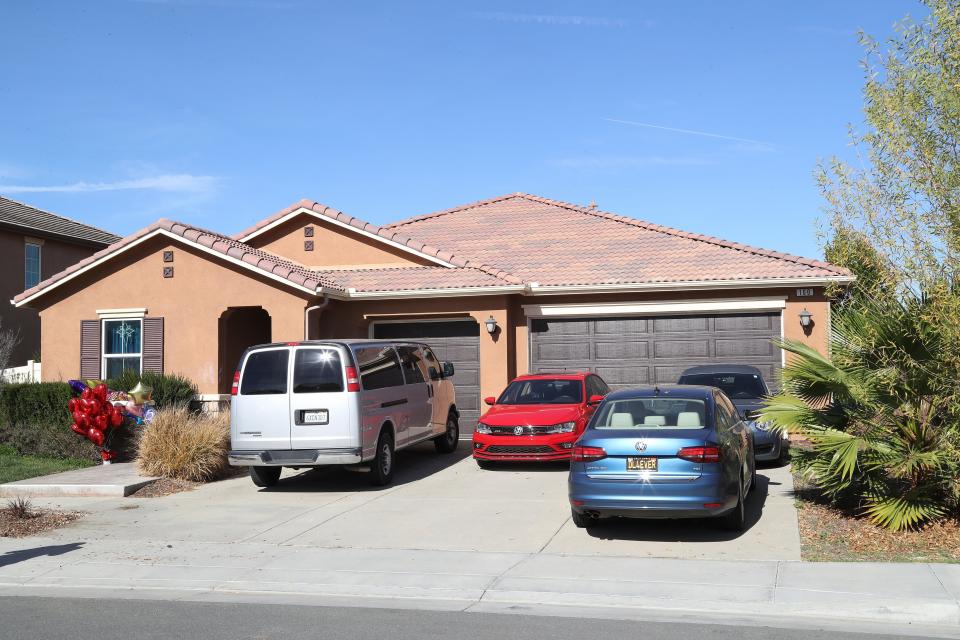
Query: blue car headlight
x,y
483,428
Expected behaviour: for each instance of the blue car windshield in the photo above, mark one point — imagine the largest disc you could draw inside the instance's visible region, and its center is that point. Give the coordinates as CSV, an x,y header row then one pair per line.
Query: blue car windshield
x,y
542,392
735,385
651,413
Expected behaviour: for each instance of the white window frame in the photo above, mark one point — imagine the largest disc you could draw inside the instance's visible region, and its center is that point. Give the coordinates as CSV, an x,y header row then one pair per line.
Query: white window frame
x,y
39,246
104,356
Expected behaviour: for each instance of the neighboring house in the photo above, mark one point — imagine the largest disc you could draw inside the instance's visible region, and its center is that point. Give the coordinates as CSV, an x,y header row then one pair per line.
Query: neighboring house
x,y
35,245
561,286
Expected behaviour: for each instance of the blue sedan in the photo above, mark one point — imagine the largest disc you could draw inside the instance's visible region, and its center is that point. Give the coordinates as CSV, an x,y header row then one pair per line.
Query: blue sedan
x,y
663,452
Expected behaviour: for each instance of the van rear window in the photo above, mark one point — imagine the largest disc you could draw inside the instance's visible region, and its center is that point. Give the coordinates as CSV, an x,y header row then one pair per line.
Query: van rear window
x,y
317,371
265,373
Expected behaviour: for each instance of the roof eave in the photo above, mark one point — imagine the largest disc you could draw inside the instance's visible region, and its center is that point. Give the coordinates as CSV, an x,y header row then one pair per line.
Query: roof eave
x,y
690,285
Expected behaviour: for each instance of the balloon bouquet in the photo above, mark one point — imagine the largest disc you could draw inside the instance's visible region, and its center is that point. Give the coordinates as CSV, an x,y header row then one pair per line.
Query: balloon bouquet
x,y
99,412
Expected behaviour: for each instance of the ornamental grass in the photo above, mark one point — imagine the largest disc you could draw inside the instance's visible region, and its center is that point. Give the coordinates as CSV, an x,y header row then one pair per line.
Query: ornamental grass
x,y
185,445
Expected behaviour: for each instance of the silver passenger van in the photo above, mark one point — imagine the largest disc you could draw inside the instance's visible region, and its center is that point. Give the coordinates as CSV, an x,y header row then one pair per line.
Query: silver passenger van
x,y
338,402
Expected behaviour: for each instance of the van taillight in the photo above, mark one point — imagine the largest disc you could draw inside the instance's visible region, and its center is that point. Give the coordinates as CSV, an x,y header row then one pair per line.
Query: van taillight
x,y
586,454
699,454
353,382
235,387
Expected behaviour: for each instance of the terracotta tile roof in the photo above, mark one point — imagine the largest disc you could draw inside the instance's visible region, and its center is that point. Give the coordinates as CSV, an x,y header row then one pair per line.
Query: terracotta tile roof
x,y
383,232
410,278
261,260
43,223
558,243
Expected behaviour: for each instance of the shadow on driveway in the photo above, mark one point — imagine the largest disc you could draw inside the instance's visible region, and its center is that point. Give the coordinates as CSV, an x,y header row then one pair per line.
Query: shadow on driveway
x,y
13,557
416,463
683,530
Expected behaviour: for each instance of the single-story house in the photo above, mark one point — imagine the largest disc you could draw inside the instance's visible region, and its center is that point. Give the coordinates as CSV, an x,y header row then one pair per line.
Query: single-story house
x,y
500,287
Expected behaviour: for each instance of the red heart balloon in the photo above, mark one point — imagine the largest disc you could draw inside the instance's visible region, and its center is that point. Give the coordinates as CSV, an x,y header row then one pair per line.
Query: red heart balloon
x,y
116,419
102,421
95,436
94,406
78,417
87,394
72,405
101,392
78,429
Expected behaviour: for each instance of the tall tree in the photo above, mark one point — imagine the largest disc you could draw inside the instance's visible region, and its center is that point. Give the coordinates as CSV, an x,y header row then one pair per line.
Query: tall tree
x,y
904,194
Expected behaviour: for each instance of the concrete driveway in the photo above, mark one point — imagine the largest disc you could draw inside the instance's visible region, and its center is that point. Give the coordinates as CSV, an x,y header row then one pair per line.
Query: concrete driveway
x,y
437,502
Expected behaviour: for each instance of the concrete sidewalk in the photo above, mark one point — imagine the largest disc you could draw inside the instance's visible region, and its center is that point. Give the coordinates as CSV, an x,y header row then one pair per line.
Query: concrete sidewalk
x,y
108,480
915,599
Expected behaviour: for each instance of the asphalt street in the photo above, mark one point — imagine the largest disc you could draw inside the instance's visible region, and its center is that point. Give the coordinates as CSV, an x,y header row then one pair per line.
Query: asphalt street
x,y
28,618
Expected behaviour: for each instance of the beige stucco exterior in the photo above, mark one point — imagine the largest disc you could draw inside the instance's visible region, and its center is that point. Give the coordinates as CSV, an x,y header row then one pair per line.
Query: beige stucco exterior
x,y
334,246
205,285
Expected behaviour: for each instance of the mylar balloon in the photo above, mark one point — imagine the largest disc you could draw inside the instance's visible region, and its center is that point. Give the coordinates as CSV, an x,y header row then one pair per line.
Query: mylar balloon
x,y
101,392
141,393
96,437
77,428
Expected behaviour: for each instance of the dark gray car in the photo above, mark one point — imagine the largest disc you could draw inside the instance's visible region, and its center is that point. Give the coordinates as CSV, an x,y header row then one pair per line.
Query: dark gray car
x,y
746,388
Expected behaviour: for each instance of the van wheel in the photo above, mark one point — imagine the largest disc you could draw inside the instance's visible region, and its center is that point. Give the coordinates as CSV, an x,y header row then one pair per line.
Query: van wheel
x,y
447,443
265,476
582,520
381,467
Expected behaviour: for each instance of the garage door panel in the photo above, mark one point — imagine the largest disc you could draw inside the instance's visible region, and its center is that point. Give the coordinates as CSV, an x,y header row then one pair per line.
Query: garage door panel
x,y
681,349
621,326
741,347
681,325
636,351
620,350
624,376
562,351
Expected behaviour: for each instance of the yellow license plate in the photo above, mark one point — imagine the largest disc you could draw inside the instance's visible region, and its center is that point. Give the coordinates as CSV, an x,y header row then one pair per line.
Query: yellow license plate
x,y
641,464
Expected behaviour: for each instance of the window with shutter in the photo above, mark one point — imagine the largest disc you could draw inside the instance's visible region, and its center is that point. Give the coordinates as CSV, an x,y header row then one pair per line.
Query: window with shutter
x,y
153,345
89,349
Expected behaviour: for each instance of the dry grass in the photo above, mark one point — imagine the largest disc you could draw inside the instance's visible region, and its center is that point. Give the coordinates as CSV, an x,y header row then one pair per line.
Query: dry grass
x,y
185,446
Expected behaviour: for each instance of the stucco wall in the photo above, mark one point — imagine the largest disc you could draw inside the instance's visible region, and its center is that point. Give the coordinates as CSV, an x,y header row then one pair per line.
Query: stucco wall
x,y
55,256
333,246
191,304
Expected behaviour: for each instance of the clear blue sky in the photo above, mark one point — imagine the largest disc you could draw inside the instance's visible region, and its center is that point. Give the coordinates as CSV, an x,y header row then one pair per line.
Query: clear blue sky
x,y
220,112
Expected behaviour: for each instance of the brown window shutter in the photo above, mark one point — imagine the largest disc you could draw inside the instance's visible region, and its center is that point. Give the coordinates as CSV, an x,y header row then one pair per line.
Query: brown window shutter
x,y
153,345
90,349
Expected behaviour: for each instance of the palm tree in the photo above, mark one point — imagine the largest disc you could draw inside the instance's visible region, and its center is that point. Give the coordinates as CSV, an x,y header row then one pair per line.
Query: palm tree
x,y
881,411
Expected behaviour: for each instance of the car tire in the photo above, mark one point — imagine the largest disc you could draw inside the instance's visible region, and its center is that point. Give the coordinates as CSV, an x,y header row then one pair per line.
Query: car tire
x,y
753,477
784,458
736,519
265,476
381,467
447,443
582,520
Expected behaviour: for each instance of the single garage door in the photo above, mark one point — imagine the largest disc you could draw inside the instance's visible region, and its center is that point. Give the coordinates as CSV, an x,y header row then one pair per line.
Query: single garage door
x,y
457,341
655,349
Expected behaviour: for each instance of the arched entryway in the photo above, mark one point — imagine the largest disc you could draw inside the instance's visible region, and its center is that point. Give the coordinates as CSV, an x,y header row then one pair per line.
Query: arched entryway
x,y
239,328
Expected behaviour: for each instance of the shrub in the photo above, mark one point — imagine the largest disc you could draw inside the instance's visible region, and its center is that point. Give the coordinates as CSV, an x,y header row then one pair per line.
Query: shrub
x,y
881,412
169,390
34,420
184,445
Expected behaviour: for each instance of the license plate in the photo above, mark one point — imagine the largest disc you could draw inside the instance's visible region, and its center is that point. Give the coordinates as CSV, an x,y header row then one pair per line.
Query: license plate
x,y
642,464
320,416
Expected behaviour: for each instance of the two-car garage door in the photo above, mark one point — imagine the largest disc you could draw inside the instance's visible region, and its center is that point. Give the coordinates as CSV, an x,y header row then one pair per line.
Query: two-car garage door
x,y
629,351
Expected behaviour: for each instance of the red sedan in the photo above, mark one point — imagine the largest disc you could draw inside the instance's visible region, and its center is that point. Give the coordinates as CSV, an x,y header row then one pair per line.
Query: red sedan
x,y
538,417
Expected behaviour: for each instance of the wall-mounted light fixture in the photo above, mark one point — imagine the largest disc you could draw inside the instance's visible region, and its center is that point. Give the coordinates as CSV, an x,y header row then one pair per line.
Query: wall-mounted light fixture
x,y
806,319
491,324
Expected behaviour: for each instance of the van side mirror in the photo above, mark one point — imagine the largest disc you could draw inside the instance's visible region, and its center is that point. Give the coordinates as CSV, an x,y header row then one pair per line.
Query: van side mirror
x,y
434,374
595,400
490,400
447,369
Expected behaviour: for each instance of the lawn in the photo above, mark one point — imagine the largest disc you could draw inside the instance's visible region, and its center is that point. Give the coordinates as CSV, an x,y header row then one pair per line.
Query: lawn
x,y
17,467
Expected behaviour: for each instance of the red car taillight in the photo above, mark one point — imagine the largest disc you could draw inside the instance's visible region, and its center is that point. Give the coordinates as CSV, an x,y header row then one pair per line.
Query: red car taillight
x,y
353,382
699,454
586,454
235,387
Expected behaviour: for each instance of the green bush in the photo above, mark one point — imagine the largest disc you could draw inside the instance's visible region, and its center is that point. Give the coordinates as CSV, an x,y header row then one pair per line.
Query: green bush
x,y
169,391
34,420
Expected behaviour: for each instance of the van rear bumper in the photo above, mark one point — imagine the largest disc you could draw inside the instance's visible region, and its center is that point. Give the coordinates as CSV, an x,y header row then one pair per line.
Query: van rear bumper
x,y
295,457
